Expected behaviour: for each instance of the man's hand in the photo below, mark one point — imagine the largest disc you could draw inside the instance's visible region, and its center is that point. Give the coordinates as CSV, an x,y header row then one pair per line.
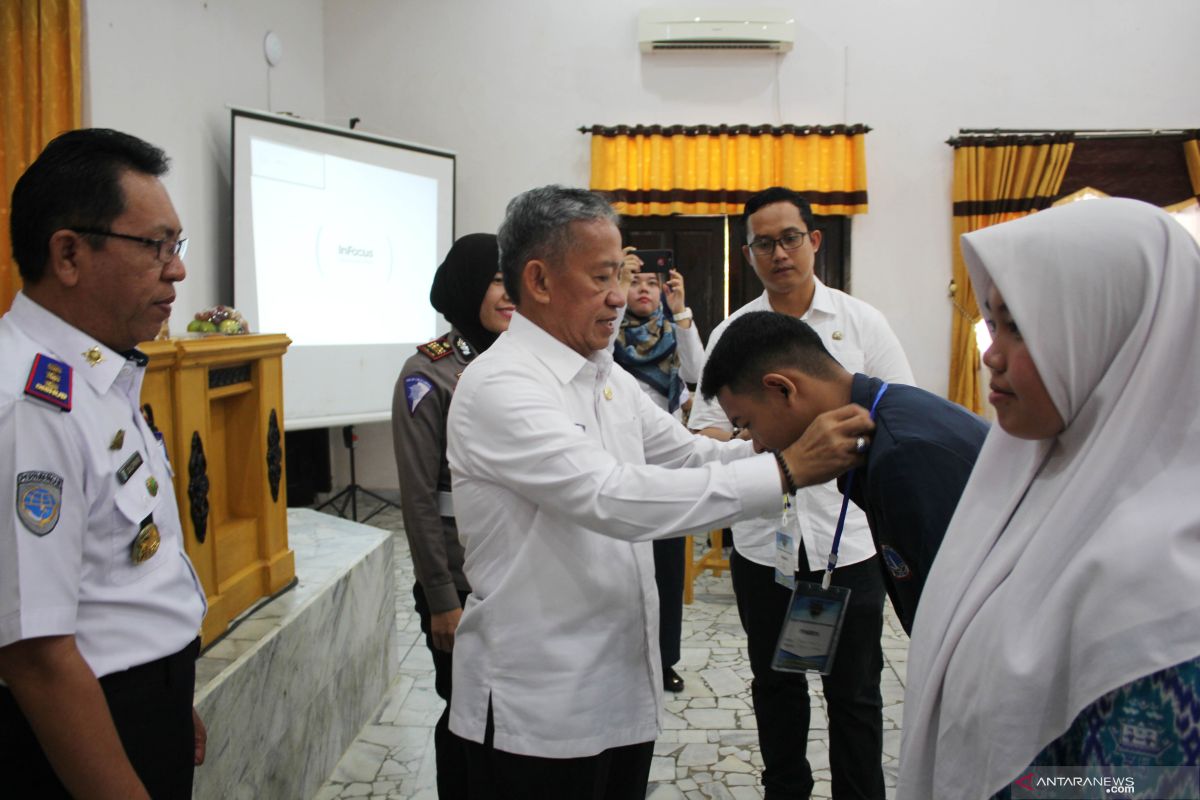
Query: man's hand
x,y
442,627
722,435
200,738
829,445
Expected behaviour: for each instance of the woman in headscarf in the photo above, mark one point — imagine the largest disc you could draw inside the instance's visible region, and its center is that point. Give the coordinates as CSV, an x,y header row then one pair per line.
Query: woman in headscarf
x,y
1061,622
469,292
658,344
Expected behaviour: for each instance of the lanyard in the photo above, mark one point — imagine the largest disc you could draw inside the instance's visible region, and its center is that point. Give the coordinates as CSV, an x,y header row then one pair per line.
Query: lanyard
x,y
841,523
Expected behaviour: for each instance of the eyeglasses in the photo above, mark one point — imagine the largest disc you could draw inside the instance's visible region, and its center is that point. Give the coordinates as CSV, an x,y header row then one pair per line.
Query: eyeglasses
x,y
789,241
166,249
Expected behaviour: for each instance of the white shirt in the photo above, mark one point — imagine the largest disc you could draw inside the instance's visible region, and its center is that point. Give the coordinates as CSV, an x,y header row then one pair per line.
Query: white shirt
x,y
563,470
77,576
691,361
858,336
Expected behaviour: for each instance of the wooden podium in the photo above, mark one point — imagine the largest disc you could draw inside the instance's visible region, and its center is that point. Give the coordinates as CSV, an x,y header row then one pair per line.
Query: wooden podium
x,y
218,401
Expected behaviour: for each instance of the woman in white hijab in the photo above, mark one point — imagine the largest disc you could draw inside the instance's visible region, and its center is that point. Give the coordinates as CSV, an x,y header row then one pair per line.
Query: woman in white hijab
x,y
1060,624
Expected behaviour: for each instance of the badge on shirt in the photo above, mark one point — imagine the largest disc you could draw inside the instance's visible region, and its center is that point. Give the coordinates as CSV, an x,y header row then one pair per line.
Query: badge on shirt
x,y
39,500
415,389
127,469
438,348
464,348
146,543
50,380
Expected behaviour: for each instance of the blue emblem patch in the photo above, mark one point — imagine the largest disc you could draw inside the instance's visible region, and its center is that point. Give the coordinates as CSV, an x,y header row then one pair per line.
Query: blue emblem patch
x,y
895,563
50,380
39,500
415,389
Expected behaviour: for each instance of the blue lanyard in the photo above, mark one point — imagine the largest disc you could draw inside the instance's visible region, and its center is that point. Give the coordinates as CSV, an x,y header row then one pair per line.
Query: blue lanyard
x,y
841,523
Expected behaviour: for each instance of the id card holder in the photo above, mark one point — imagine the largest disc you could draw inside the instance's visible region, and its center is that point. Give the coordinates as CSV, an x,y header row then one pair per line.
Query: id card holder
x,y
785,559
787,539
809,639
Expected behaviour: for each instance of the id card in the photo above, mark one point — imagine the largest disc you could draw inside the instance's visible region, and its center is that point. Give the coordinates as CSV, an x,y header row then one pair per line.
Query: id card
x,y
787,545
809,639
785,559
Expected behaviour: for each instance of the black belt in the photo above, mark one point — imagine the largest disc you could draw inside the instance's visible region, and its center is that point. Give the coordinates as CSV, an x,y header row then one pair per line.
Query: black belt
x,y
158,670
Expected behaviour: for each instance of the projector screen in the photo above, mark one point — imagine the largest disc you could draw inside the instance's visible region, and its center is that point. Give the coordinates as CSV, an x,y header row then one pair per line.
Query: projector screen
x,y
336,236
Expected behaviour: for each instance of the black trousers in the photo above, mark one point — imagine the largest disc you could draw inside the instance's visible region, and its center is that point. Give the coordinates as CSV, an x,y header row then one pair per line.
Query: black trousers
x,y
668,575
619,773
449,750
151,706
853,700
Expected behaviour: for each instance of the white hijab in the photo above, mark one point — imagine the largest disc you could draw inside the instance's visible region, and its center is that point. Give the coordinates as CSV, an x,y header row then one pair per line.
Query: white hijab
x,y
1072,565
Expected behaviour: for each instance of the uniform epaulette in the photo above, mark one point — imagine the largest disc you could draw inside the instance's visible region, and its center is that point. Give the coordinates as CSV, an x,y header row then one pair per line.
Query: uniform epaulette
x,y
50,380
438,348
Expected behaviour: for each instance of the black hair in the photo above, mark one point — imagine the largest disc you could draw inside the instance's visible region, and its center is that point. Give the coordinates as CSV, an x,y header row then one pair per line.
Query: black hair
x,y
761,342
537,225
461,283
777,194
74,183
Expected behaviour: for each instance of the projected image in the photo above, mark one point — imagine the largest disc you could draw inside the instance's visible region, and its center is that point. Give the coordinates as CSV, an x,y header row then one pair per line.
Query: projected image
x,y
345,251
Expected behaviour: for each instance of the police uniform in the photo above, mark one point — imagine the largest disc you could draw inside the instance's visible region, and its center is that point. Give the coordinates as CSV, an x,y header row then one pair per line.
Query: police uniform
x,y
419,407
91,544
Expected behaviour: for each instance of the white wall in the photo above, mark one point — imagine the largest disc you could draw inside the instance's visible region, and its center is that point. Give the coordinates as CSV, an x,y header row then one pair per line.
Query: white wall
x,y
167,70
506,84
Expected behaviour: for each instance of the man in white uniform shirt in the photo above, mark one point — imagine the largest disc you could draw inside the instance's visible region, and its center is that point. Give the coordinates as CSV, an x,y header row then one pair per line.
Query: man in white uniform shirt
x,y
562,471
782,242
99,605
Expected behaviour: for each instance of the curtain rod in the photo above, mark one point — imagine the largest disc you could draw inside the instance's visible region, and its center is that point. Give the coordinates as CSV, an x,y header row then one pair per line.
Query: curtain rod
x,y
1097,133
693,130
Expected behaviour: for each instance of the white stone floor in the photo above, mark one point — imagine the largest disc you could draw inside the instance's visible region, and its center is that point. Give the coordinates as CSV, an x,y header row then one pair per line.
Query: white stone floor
x,y
708,749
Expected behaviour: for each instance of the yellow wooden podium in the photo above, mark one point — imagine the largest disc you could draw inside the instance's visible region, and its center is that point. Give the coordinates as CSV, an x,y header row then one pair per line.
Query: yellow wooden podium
x,y
218,401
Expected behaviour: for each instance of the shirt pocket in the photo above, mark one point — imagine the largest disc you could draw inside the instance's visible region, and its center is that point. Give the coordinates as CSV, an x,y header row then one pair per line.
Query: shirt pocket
x,y
134,504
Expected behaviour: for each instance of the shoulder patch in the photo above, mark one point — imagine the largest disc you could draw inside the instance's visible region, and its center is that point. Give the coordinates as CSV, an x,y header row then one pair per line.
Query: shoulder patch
x,y
415,389
50,380
438,348
39,500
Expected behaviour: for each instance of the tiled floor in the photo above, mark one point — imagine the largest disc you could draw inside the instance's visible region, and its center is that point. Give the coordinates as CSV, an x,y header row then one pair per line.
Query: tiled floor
x,y
708,749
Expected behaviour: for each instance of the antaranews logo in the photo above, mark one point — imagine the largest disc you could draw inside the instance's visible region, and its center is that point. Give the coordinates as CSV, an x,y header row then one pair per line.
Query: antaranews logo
x,y
1073,787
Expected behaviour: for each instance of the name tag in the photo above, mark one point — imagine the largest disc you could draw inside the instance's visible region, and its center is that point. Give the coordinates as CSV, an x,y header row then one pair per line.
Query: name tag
x,y
787,545
785,559
809,639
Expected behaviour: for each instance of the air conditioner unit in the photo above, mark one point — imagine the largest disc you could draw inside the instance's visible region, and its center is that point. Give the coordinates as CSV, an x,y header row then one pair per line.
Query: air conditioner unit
x,y
731,28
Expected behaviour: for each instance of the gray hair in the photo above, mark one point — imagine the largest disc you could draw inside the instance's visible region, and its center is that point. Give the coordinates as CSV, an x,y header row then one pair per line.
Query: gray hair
x,y
537,226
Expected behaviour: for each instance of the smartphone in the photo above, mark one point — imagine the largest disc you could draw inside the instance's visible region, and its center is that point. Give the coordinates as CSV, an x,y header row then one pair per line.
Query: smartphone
x,y
660,261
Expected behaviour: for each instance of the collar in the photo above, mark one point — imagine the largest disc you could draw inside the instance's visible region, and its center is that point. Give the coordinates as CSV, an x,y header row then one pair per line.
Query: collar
x,y
863,390
67,343
822,301
561,360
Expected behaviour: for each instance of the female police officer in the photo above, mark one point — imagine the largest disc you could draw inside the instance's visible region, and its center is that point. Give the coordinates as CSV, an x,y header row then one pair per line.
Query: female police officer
x,y
469,292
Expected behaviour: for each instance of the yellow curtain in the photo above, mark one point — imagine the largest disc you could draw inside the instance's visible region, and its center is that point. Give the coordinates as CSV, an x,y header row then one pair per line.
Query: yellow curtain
x,y
41,95
711,169
1191,152
996,179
